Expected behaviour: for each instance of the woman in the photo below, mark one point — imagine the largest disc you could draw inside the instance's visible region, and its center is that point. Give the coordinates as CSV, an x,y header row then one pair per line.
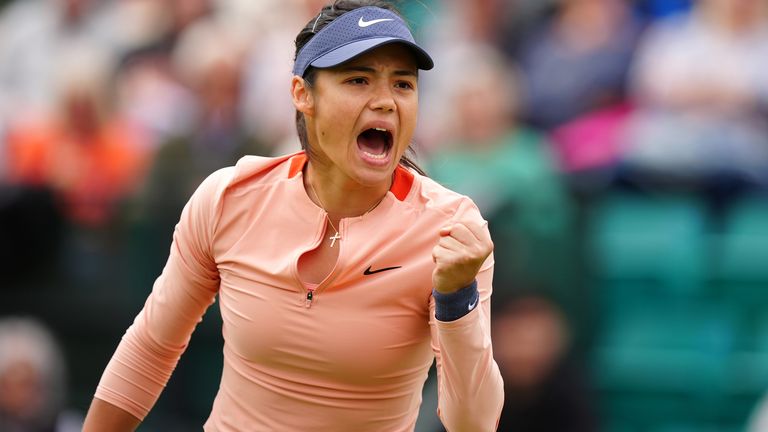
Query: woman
x,y
342,272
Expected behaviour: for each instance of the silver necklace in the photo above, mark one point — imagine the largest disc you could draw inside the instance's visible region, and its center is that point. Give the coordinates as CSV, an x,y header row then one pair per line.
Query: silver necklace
x,y
336,235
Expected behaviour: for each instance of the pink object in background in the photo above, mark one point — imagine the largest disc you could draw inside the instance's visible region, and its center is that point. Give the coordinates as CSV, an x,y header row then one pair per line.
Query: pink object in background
x,y
591,141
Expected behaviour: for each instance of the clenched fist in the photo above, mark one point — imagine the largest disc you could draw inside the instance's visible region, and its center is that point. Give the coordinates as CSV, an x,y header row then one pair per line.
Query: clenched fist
x,y
459,254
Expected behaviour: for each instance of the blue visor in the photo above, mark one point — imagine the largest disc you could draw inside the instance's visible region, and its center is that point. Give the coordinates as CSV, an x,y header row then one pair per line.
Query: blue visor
x,y
354,33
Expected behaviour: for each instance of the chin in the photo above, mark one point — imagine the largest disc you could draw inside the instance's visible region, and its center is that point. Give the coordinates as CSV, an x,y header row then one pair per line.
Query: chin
x,y
371,179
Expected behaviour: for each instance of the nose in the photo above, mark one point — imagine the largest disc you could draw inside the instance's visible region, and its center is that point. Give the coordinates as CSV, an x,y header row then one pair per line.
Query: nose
x,y
382,98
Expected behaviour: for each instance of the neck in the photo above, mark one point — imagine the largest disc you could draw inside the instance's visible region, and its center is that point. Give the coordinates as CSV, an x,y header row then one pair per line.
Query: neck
x,y
342,200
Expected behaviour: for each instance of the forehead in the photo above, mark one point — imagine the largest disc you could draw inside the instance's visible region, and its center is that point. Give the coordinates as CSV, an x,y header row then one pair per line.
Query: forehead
x,y
394,55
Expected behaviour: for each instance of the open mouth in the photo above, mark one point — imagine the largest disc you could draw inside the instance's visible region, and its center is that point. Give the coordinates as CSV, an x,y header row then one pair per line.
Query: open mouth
x,y
375,143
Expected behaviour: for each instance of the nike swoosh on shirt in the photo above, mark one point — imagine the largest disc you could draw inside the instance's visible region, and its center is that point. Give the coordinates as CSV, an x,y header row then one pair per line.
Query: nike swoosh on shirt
x,y
364,23
368,271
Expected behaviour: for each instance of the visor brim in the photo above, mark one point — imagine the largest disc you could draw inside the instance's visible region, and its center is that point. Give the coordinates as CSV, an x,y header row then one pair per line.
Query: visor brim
x,y
349,51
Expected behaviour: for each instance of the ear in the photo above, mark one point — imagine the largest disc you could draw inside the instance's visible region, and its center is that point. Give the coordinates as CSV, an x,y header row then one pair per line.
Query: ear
x,y
302,96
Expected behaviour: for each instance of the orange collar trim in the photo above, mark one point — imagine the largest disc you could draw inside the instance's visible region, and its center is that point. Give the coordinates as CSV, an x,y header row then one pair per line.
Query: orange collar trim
x,y
297,164
401,184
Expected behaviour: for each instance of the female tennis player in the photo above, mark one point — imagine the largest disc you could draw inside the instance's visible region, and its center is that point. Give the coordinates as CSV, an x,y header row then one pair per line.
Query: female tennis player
x,y
342,271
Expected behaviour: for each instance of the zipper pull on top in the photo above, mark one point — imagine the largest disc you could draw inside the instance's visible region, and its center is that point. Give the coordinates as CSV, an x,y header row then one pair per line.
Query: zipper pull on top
x,y
308,302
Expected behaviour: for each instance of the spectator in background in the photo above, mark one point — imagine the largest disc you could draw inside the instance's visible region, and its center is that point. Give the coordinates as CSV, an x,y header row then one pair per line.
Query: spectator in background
x,y
209,60
578,61
148,93
507,169
544,388
700,83
454,30
521,18
183,15
458,21
35,37
266,112
32,380
34,34
90,158
147,89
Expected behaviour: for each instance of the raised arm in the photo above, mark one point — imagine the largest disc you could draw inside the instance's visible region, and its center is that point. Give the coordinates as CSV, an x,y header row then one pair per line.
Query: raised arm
x,y
470,387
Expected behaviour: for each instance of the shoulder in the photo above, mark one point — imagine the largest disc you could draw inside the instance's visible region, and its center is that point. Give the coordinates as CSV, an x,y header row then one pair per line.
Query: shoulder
x,y
430,195
207,203
248,172
262,169
253,170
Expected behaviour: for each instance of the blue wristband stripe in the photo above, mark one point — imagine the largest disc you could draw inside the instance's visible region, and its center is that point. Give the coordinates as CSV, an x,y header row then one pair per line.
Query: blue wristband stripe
x,y
450,307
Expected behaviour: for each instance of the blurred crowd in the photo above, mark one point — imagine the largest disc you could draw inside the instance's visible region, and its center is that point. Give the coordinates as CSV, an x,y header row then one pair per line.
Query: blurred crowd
x,y
611,144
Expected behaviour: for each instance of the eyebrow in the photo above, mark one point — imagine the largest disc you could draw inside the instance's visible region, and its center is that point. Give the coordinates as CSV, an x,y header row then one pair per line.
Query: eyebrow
x,y
352,68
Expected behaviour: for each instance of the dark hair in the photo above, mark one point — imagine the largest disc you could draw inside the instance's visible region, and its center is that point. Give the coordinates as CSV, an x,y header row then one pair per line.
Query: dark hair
x,y
326,16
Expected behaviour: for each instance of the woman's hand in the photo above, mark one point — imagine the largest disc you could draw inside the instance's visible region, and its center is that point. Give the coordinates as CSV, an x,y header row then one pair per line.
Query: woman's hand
x,y
459,254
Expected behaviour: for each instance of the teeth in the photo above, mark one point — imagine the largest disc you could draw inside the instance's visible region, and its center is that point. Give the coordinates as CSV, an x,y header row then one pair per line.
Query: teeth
x,y
380,129
375,156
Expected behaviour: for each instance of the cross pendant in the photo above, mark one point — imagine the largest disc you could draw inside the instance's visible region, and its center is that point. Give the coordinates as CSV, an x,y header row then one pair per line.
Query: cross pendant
x,y
334,238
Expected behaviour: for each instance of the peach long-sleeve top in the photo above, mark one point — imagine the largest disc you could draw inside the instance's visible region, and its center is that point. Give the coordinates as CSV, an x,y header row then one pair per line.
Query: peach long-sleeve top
x,y
356,357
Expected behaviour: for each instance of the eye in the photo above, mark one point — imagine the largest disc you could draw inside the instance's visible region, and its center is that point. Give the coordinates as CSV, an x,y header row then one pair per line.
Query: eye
x,y
357,81
404,85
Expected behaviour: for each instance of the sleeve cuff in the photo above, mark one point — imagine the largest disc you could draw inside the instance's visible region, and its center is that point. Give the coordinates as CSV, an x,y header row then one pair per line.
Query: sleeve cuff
x,y
450,307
